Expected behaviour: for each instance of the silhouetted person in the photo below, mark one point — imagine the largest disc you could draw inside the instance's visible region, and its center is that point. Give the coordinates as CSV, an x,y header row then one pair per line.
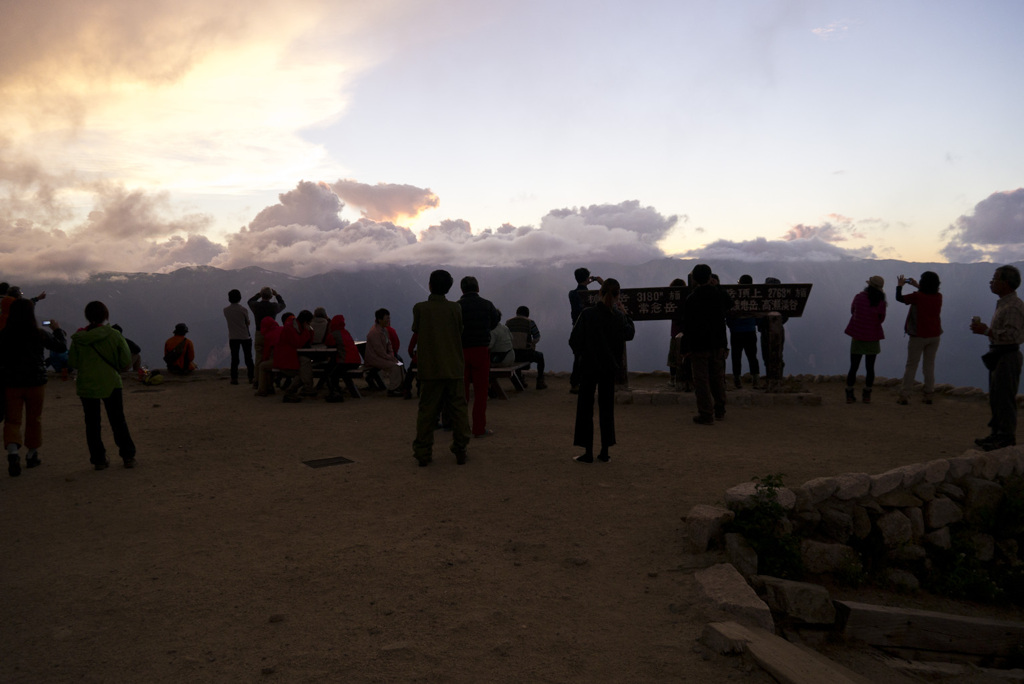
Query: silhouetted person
x,y
923,326
577,302
1003,360
478,319
238,336
23,381
525,336
865,327
437,326
705,343
743,338
261,307
598,340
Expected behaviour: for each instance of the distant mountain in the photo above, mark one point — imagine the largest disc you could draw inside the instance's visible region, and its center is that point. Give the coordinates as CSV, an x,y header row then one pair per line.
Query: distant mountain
x,y
149,305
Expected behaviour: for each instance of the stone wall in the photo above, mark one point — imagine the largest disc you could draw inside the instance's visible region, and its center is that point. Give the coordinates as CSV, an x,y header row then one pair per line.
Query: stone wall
x,y
893,520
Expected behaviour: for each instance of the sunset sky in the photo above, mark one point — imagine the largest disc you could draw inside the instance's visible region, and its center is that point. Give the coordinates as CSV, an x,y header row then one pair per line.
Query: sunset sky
x,y
308,135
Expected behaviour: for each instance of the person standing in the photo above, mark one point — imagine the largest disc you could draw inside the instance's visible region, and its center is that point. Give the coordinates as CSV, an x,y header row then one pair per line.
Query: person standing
x,y
100,354
478,320
743,335
599,341
525,336
23,380
867,312
924,326
577,302
261,307
237,317
1003,360
704,341
440,363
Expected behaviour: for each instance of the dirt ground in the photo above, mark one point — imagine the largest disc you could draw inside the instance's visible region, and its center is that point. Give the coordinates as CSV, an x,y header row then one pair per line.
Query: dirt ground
x,y
223,558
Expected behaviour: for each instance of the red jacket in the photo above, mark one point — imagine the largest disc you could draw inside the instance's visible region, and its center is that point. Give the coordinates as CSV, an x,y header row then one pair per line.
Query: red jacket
x,y
271,332
338,336
286,355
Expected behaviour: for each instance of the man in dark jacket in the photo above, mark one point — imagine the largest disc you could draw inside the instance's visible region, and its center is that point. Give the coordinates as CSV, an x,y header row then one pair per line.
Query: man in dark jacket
x,y
705,341
479,317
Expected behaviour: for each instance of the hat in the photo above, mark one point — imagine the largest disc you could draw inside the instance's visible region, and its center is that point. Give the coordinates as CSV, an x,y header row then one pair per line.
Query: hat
x,y
877,282
180,329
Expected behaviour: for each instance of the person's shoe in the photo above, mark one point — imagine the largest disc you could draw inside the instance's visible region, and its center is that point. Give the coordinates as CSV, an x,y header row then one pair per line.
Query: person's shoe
x,y
865,395
334,398
129,462
575,389
851,398
542,385
736,382
993,442
927,400
424,461
603,457
584,458
32,461
720,415
396,393
486,433
902,401
703,420
291,399
13,465
755,381
102,465
461,457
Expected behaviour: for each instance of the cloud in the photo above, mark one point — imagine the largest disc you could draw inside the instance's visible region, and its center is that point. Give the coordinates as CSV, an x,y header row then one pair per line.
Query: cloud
x,y
385,201
993,232
309,204
833,31
126,231
793,249
839,229
303,234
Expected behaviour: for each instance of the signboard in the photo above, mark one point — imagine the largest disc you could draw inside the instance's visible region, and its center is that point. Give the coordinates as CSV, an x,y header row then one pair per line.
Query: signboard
x,y
661,303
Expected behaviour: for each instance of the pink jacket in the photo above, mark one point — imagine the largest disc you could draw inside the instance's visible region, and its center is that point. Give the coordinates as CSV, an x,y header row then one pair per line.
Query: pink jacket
x,y
866,322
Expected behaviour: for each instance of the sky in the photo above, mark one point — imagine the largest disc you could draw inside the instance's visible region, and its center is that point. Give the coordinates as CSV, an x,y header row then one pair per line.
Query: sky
x,y
314,135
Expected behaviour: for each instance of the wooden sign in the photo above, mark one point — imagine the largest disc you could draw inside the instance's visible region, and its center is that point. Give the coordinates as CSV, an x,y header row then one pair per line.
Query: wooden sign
x,y
661,303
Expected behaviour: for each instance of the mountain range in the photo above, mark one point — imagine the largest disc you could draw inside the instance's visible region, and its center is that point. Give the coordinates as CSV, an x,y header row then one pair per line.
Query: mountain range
x,y
148,305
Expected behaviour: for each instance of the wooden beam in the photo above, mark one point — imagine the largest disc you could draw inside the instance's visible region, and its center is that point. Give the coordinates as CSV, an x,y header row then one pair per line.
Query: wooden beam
x,y
788,663
928,630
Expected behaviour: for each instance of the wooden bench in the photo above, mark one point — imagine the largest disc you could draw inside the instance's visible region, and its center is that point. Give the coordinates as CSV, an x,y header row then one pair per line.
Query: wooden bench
x,y
510,372
320,358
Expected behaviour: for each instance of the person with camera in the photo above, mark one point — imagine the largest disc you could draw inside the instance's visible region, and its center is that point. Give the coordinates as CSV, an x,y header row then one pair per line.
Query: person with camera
x,y
577,303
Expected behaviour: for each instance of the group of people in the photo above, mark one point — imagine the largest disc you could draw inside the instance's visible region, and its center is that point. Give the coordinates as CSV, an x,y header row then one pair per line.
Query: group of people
x,y
98,352
923,327
455,344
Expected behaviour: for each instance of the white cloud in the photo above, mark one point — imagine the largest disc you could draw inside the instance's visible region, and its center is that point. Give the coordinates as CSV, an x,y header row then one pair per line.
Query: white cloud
x,y
993,232
385,201
793,249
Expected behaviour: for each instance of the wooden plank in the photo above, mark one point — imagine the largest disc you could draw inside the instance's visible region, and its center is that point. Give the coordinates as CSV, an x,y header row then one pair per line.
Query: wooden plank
x,y
928,630
786,662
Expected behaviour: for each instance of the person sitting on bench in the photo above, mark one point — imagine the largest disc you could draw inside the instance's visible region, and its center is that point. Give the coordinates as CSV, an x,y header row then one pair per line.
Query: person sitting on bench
x,y
525,337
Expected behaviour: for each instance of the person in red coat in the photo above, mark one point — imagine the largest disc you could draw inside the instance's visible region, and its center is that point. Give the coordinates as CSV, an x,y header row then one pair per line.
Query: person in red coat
x,y
345,360
296,333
